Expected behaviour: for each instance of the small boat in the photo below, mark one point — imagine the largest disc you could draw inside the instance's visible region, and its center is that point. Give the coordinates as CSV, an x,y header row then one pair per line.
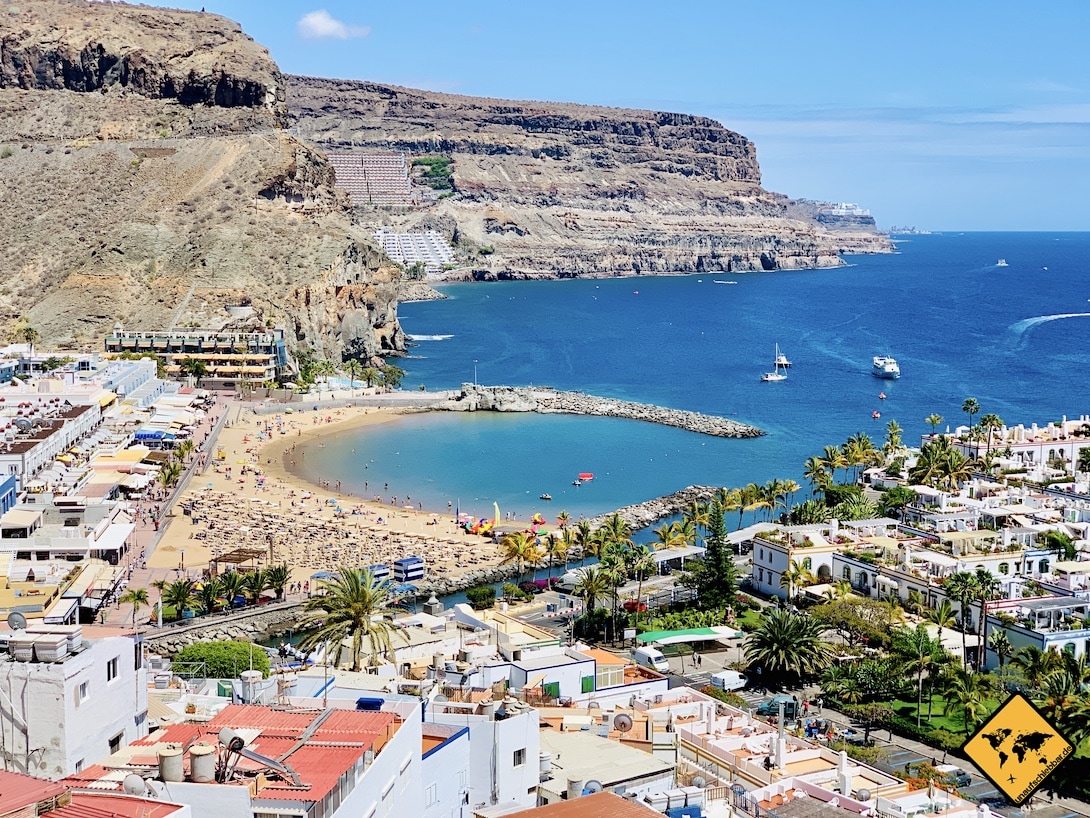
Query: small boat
x,y
885,367
1002,263
720,281
881,396
777,373
876,414
577,482
545,497
586,475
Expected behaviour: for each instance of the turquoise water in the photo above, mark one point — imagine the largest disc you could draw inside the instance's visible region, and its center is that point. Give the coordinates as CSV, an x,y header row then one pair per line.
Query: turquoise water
x,y
958,325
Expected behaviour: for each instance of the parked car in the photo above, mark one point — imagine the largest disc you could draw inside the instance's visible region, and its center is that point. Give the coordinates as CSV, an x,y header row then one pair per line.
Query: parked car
x,y
631,606
771,707
729,680
954,775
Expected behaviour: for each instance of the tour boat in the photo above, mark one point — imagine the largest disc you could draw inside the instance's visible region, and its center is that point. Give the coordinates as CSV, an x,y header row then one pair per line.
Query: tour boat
x,y
777,373
781,359
1001,263
546,497
886,367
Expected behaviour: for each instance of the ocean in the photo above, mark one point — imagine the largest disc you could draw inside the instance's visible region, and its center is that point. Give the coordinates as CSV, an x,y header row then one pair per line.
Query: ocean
x,y
1015,337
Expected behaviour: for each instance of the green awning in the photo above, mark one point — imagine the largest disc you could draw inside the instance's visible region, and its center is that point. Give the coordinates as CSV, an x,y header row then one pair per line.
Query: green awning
x,y
689,635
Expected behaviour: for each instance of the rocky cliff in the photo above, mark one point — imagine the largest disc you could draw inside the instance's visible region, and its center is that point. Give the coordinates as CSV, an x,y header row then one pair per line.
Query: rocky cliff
x,y
558,189
147,180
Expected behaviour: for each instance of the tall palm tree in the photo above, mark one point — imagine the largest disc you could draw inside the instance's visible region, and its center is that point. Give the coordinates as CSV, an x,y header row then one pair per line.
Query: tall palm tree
x,y
990,423
583,536
562,520
353,605
969,692
696,515
1036,664
729,499
970,407
232,585
592,583
916,647
893,438
618,532
934,420
137,597
556,549
787,644
30,337
641,564
789,489
669,535
1001,646
752,497
370,376
816,474
520,548
277,577
194,367
961,586
941,616
987,589
834,459
354,370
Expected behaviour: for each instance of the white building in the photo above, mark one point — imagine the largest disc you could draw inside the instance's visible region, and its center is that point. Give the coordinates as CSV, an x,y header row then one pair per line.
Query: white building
x,y
445,770
69,696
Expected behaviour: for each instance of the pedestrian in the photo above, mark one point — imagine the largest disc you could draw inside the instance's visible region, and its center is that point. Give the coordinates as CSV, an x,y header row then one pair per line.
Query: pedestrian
x,y
817,701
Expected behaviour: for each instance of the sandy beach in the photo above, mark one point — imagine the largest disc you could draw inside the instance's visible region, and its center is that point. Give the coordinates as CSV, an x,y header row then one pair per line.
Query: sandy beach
x,y
249,499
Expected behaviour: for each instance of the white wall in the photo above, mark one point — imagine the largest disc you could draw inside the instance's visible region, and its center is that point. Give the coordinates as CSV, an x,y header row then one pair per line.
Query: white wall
x,y
446,779
392,785
492,746
40,715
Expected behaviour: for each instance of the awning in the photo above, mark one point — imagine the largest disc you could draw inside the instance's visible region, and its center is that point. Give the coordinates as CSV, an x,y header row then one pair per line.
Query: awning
x,y
107,399
689,635
61,611
19,518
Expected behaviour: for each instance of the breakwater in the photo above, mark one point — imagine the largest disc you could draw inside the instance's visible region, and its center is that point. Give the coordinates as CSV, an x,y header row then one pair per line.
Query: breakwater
x,y
477,398
649,512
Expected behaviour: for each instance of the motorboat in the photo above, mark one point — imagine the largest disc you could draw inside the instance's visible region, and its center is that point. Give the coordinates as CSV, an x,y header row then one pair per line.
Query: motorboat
x,y
886,367
545,497
778,372
1002,263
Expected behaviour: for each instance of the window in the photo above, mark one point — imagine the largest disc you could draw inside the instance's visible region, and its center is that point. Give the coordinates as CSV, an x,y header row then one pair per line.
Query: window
x,y
1042,567
430,795
587,683
519,757
807,564
82,692
111,669
79,765
1004,568
847,573
115,743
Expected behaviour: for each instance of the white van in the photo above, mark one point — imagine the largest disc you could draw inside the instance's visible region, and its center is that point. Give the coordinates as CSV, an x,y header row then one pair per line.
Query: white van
x,y
651,658
729,680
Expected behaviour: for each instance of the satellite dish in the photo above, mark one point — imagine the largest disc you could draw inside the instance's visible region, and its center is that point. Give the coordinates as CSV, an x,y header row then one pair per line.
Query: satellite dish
x,y
17,622
699,781
231,740
592,787
863,795
134,785
622,722
440,698
22,424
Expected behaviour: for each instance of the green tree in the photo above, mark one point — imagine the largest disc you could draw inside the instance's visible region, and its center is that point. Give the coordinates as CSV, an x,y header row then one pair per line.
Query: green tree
x,y
208,594
29,335
138,598
896,499
817,474
232,584
520,548
641,564
962,588
916,648
224,660
276,578
354,370
592,583
481,597
987,589
194,367
970,407
179,595
795,577
351,606
990,423
1036,664
968,692
253,583
370,376
787,645
1001,646
392,376
934,421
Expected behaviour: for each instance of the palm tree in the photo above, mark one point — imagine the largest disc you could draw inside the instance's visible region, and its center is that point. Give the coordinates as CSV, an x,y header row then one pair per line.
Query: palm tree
x,y
1001,646
253,583
138,598
179,595
562,520
159,585
641,563
353,369
961,586
209,592
916,647
276,577
841,589
834,459
618,532
391,376
352,604
970,407
990,423
789,488
752,497
893,438
593,583
816,473
520,548
728,499
669,535
987,589
787,644
29,336
583,536
969,691
232,584
856,507
795,577
896,499
193,367
942,616
1036,664
370,376
934,420
556,548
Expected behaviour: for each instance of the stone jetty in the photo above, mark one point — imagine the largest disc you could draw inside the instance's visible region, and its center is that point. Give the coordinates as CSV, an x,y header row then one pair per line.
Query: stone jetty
x,y
478,398
641,515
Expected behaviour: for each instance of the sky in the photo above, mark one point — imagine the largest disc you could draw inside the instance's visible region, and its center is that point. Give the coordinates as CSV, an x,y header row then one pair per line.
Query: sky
x,y
957,115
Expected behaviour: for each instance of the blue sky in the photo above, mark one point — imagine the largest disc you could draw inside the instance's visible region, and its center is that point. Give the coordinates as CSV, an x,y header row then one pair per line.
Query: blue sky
x,y
943,115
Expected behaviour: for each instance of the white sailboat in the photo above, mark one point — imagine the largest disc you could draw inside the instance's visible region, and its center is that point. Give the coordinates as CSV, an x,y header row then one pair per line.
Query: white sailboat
x,y
779,368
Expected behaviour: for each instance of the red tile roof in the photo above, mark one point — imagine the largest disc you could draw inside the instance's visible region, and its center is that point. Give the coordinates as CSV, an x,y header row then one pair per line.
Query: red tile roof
x,y
354,725
18,790
263,718
599,805
85,805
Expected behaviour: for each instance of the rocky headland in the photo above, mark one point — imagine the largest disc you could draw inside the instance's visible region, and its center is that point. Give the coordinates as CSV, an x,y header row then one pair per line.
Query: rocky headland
x,y
549,189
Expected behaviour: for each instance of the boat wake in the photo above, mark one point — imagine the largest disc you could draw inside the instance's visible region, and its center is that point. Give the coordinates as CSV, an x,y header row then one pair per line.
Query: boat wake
x,y
430,337
1020,328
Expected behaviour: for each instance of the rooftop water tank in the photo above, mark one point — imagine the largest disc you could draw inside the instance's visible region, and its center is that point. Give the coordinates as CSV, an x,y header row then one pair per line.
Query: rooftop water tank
x,y
202,763
50,647
170,764
21,646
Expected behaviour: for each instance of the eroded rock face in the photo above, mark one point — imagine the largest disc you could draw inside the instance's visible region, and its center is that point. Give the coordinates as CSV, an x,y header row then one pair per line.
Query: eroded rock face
x,y
169,195
556,189
196,59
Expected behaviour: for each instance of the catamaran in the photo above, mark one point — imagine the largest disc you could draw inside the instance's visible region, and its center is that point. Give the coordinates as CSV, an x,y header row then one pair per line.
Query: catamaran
x,y
778,372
